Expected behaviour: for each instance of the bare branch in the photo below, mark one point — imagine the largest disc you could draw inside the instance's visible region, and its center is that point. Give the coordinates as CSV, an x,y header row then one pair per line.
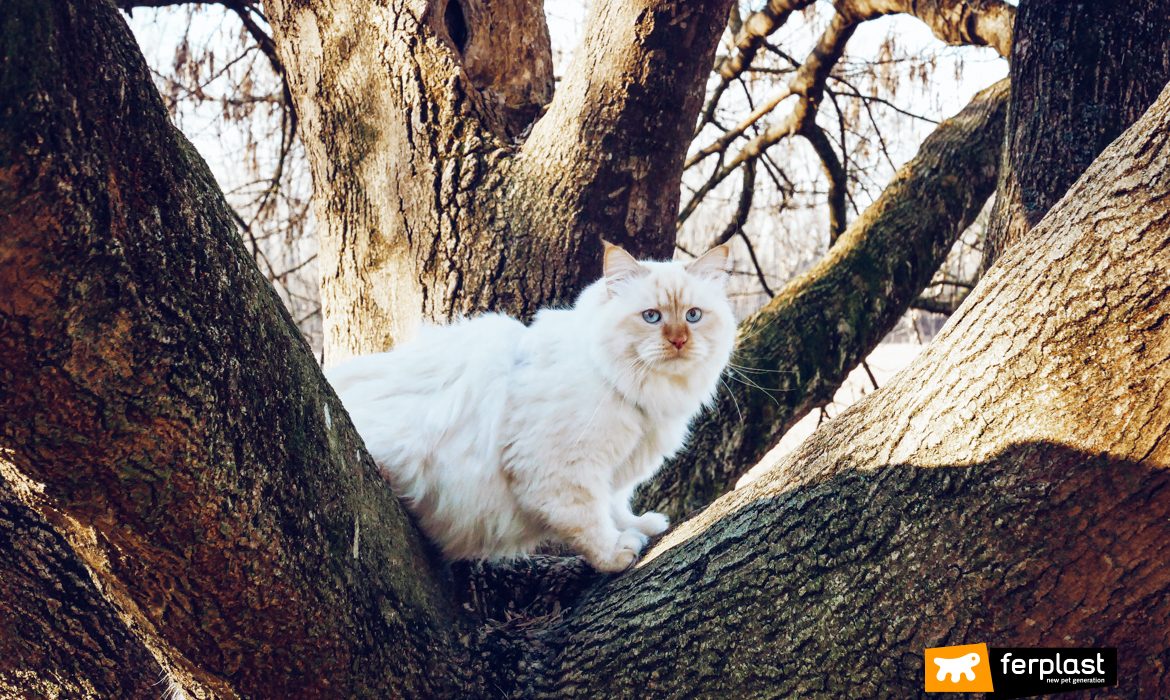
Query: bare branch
x,y
757,27
807,83
743,208
961,284
751,251
957,22
869,372
939,305
835,172
854,92
983,22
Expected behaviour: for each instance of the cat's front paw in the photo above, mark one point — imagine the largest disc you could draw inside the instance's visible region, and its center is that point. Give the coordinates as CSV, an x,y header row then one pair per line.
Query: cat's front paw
x,y
652,523
625,553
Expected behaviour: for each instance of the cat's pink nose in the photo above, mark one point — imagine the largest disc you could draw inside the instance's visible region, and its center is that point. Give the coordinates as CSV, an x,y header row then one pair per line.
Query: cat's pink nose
x,y
676,334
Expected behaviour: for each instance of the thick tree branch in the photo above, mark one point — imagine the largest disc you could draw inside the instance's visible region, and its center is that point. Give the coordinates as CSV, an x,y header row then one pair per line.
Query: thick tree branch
x,y
956,22
59,637
163,406
408,113
606,106
1069,102
431,212
806,340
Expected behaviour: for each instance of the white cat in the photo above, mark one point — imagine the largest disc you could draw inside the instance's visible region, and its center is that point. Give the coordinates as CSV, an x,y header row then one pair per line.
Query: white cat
x,y
500,436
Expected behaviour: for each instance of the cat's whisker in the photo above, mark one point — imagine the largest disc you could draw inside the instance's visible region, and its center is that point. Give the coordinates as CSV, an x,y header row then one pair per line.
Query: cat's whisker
x,y
747,381
734,400
588,423
760,370
739,376
757,331
740,353
640,371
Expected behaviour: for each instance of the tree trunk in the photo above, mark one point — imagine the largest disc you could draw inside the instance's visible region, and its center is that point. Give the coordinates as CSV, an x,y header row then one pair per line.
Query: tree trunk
x,y
432,204
1081,73
794,353
1012,486
161,410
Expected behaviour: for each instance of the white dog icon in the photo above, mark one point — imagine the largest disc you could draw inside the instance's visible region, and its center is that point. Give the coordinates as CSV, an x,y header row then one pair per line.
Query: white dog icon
x,y
961,666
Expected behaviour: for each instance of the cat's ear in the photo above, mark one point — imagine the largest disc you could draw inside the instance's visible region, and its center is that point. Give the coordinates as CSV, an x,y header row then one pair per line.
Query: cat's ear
x,y
619,266
712,264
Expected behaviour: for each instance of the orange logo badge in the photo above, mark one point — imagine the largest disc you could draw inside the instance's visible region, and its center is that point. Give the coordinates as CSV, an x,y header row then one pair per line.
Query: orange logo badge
x,y
959,669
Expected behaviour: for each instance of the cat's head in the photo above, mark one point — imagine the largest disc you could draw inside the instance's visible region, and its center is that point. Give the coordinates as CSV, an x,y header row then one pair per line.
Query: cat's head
x,y
667,317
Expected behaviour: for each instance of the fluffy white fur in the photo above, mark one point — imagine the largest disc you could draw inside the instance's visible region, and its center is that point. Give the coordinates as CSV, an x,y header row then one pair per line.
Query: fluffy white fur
x,y
500,436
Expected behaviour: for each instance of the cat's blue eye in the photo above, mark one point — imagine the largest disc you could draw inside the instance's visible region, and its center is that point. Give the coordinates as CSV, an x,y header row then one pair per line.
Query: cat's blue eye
x,y
693,315
651,316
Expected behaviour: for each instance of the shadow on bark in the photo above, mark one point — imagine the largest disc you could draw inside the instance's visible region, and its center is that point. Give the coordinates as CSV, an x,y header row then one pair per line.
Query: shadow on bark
x,y
59,637
834,589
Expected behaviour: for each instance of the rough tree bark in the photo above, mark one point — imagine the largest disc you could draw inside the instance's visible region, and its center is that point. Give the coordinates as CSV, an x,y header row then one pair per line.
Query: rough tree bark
x,y
800,347
1081,73
438,202
160,409
161,413
59,637
435,204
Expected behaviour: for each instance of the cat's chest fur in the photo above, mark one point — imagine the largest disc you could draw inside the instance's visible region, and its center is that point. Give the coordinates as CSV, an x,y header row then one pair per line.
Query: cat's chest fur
x,y
560,400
